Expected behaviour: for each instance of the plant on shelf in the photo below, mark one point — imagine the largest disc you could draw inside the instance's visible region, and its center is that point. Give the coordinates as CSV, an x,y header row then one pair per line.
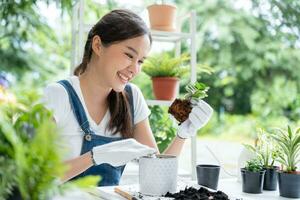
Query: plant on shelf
x,y
181,108
30,154
288,142
253,176
162,16
165,72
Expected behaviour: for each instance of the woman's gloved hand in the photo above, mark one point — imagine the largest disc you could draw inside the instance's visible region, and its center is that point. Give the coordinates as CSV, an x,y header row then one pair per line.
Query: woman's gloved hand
x,y
199,116
120,152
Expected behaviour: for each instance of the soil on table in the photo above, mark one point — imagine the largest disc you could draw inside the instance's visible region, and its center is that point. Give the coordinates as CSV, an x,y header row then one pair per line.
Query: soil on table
x,y
194,194
180,109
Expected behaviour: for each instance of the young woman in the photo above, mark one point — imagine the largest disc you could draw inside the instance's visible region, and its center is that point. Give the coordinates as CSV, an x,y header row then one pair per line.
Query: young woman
x,y
104,118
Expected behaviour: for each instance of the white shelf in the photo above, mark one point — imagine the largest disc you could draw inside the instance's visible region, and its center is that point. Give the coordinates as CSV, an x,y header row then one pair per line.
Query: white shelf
x,y
165,36
158,103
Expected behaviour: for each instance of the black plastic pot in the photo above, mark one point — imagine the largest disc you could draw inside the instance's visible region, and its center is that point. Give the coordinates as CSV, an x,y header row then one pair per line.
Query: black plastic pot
x,y
289,185
252,181
270,180
208,175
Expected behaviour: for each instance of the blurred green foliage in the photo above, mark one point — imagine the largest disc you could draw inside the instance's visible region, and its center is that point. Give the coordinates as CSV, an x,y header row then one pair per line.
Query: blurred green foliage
x,y
34,51
241,128
31,152
162,127
254,51
29,145
28,45
252,46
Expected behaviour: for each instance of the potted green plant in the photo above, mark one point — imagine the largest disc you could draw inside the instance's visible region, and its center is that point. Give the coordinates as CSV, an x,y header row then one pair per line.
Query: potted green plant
x,y
181,108
289,147
165,72
266,150
30,154
253,176
162,16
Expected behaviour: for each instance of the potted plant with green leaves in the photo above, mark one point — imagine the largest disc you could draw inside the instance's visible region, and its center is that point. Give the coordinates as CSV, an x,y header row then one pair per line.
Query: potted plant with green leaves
x,y
162,16
165,72
289,147
253,176
181,108
30,154
267,152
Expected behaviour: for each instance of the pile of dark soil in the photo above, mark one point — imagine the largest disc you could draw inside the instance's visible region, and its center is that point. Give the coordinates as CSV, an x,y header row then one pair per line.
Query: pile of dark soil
x,y
200,194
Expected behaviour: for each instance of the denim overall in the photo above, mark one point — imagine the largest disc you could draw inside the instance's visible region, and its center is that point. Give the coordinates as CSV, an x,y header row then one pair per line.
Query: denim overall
x,y
109,175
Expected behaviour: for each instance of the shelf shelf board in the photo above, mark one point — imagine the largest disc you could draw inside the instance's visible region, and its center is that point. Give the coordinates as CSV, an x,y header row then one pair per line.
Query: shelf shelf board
x,y
158,103
169,36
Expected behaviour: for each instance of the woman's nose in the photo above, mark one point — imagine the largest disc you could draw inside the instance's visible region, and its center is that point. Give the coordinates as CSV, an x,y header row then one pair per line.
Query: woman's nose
x,y
135,68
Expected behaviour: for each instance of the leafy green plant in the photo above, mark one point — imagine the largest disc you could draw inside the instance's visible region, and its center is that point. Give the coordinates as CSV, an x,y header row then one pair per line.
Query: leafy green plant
x,y
30,151
196,91
265,148
30,136
289,146
162,127
254,165
165,66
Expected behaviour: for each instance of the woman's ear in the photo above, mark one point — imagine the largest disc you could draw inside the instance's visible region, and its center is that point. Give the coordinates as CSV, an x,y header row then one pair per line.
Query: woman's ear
x,y
96,44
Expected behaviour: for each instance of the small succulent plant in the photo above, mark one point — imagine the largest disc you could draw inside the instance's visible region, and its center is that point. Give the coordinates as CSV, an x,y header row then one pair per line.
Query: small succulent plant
x,y
254,165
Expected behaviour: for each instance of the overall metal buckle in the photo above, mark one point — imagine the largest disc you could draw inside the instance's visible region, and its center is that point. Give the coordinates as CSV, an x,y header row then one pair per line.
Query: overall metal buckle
x,y
88,137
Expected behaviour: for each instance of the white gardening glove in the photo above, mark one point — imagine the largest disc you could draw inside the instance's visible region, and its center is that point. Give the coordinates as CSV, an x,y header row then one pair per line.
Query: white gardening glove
x,y
120,152
199,116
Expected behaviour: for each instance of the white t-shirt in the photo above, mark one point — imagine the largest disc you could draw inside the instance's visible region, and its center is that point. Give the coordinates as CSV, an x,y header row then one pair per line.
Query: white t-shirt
x,y
56,98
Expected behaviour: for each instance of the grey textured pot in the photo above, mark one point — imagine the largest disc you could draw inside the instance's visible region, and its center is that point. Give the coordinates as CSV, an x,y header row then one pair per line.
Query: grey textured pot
x,y
289,185
158,175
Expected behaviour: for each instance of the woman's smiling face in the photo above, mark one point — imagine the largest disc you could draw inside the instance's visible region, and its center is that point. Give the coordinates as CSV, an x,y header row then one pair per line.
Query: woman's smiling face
x,y
120,62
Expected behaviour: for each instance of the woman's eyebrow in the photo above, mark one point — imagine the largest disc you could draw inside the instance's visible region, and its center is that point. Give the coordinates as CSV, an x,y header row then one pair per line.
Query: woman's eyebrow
x,y
133,50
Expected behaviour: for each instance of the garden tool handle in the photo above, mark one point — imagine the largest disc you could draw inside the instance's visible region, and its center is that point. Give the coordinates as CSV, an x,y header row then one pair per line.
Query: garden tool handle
x,y
125,194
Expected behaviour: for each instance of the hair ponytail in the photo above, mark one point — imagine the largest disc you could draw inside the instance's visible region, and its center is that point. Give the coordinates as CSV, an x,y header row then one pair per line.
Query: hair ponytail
x,y
87,54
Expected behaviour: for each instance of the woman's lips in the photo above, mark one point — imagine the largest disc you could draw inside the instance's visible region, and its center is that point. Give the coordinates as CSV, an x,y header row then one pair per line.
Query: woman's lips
x,y
123,77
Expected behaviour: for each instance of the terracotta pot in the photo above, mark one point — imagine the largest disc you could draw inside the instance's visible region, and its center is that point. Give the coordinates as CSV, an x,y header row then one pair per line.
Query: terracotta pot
x,y
165,88
162,17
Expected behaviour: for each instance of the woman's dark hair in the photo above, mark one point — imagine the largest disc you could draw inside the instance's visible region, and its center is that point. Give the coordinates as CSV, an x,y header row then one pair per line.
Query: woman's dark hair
x,y
114,27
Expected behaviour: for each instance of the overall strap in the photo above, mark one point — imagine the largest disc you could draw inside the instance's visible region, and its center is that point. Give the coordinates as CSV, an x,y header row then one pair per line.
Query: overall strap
x,y
76,106
129,92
